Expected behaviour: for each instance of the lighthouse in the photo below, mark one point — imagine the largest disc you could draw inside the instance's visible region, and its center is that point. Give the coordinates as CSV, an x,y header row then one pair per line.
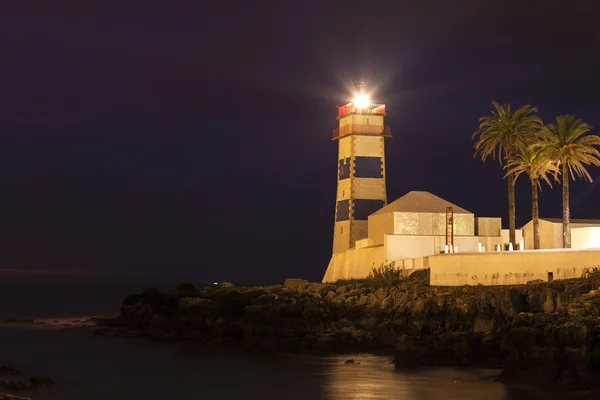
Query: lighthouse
x,y
361,169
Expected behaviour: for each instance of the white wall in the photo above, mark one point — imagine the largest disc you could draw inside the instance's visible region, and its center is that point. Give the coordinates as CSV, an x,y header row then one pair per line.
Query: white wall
x,y
489,242
508,267
558,236
399,247
354,263
580,238
585,238
595,237
505,234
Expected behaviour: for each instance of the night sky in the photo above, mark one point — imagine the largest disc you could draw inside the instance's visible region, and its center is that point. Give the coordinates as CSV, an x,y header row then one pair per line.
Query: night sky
x,y
190,140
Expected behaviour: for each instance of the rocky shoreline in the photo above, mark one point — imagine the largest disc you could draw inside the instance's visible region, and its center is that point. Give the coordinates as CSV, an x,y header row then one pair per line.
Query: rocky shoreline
x,y
11,379
541,334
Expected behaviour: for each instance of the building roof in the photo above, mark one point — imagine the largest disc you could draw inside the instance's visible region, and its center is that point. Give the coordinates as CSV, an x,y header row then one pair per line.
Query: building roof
x,y
420,202
573,221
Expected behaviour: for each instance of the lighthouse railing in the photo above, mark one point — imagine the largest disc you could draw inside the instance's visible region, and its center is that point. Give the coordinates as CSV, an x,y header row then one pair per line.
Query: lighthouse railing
x,y
359,129
372,109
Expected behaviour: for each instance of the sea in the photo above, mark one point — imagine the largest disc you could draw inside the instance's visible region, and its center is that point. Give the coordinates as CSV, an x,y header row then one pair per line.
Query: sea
x,y
88,367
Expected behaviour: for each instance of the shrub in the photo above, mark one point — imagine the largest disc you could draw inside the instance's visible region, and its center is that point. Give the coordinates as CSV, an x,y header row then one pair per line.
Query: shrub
x,y
382,277
591,273
385,277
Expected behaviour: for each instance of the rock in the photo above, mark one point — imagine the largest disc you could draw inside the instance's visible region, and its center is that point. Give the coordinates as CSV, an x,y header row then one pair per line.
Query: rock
x,y
548,306
341,290
350,361
388,302
421,276
381,294
295,284
425,326
330,296
324,290
535,282
483,323
265,299
5,396
16,385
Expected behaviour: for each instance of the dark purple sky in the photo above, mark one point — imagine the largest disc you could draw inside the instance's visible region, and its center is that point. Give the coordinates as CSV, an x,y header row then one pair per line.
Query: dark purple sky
x,y
190,139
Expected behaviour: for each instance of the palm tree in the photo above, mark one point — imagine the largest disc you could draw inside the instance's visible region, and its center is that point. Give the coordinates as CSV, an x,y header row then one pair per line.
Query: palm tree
x,y
500,136
571,147
531,162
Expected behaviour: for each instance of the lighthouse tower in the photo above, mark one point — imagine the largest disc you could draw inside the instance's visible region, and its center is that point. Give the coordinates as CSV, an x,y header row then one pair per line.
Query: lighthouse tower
x,y
361,169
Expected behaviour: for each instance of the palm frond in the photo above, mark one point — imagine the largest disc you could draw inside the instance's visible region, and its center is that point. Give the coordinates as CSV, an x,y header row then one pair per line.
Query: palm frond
x,y
503,132
532,163
569,142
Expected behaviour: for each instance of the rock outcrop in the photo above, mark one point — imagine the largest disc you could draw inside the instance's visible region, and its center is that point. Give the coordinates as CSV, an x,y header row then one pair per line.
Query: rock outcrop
x,y
5,396
19,384
550,324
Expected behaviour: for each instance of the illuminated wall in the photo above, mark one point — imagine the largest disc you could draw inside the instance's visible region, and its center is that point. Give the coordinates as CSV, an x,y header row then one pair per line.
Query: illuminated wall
x,y
408,223
379,226
398,247
583,235
585,238
508,267
486,226
355,263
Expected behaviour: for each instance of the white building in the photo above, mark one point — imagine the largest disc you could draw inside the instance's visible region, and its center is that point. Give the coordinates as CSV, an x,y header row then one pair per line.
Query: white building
x,y
585,233
412,227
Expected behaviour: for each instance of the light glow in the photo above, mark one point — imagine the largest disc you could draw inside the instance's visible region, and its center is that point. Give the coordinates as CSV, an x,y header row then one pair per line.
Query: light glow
x,y
361,101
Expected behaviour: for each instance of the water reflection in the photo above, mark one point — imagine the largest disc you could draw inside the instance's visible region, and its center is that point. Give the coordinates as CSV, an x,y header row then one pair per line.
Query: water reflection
x,y
95,368
376,378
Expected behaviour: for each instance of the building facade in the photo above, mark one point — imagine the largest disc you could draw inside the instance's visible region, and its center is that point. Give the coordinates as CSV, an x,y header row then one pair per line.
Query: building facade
x,y
410,228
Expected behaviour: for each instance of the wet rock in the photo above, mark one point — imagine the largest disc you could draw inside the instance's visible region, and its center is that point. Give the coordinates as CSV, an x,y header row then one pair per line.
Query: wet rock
x,y
5,396
16,385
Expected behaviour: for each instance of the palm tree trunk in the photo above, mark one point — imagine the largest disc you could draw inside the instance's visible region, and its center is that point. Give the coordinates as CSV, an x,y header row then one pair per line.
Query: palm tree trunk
x,y
566,210
535,214
511,208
